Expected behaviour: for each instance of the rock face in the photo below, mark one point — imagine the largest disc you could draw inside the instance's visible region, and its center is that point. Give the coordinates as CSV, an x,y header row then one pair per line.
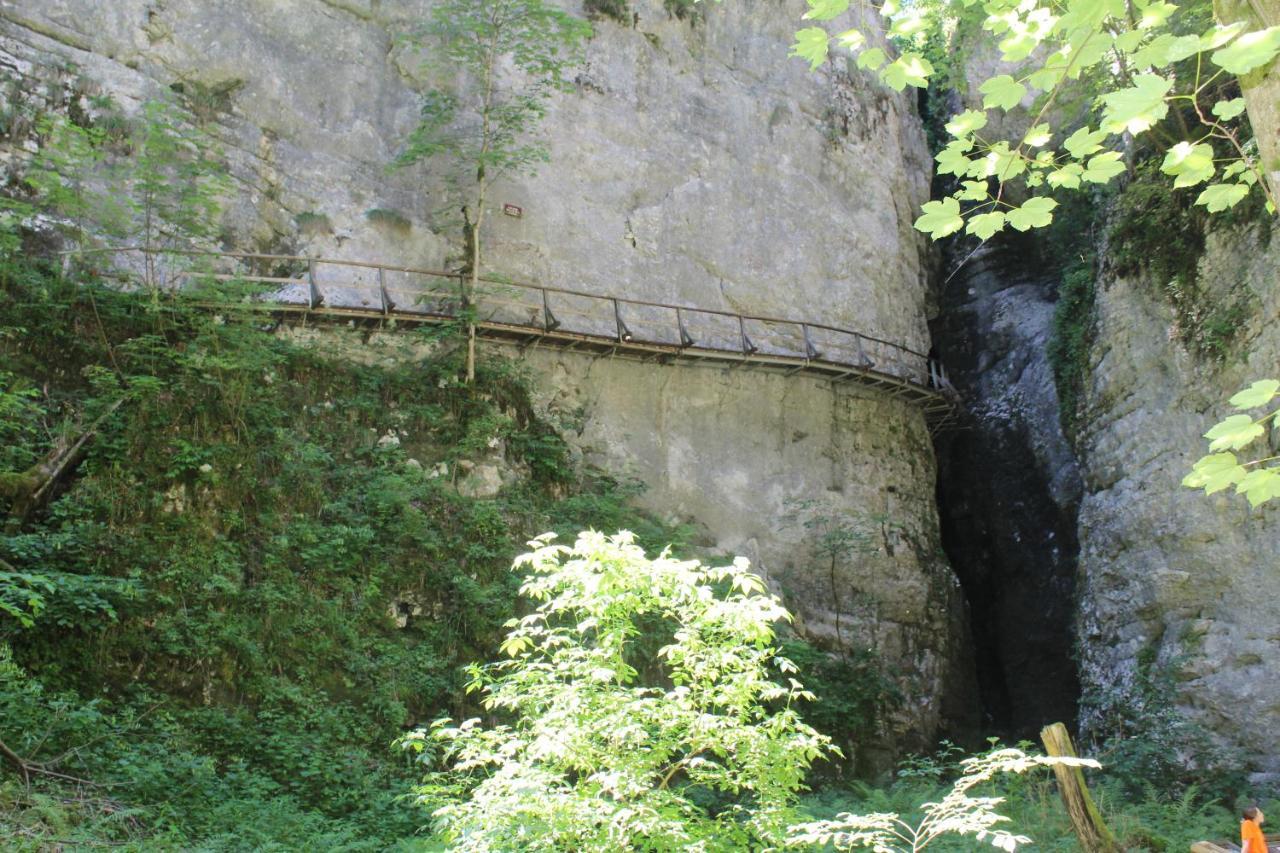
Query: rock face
x,y
767,465
1009,488
693,163
1166,572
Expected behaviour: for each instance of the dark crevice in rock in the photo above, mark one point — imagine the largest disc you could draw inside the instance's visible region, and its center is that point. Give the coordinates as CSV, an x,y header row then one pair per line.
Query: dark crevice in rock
x,y
1009,489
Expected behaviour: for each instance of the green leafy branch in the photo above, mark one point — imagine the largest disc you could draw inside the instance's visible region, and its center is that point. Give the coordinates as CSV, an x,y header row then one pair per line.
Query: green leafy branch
x,y
1047,46
1256,479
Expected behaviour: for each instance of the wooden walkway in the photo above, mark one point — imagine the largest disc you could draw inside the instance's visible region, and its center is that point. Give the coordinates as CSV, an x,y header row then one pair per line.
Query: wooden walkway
x,y
542,316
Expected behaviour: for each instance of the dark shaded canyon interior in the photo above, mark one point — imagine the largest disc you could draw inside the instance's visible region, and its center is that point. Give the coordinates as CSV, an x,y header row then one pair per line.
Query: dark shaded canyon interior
x,y
1008,525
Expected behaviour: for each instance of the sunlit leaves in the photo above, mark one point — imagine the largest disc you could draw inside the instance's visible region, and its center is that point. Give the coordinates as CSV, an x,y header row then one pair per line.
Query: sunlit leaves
x,y
1068,176
908,69
1214,473
974,191
1227,110
1259,486
1026,33
1189,164
1084,142
1249,51
952,160
908,25
965,123
1154,14
1037,136
1138,107
825,10
811,44
1125,48
1103,168
1035,213
985,225
851,39
1164,49
871,59
1258,394
1087,15
1234,433
1002,92
596,750
958,813
1001,162
1220,197
1221,34
1259,479
940,218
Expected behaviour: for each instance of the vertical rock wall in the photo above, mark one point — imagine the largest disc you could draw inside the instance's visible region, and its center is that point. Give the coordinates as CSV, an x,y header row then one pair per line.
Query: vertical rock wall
x,y
1169,574
693,163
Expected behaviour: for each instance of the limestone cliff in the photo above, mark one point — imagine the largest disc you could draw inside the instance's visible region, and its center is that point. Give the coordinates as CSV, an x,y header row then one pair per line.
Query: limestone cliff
x,y
693,163
1167,573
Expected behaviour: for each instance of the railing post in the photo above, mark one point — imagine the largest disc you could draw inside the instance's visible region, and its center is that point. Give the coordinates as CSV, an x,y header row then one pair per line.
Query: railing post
x,y
387,305
748,348
314,297
810,351
624,334
863,360
686,339
549,321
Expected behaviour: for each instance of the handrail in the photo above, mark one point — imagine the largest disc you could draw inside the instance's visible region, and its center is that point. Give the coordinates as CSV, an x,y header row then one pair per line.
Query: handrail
x,y
796,347
307,259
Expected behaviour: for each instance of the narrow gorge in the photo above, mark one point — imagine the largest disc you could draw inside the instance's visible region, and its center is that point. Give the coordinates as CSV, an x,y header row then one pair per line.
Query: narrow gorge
x,y
1014,551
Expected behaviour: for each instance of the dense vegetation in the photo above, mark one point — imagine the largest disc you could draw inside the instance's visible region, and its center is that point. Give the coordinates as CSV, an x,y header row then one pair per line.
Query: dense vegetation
x,y
212,645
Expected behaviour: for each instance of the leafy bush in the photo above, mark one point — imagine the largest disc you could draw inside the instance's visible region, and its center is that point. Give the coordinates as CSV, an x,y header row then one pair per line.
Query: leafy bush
x,y
601,746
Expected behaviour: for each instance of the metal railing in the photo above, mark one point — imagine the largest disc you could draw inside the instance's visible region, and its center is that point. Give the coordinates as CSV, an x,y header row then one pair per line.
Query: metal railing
x,y
540,314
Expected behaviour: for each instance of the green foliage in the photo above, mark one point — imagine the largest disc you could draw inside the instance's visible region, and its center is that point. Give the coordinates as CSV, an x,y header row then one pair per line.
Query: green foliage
x,y
617,10
1071,339
486,127
957,814
685,10
1160,233
1140,70
599,746
246,592
154,180
1257,479
1144,820
1148,745
853,695
392,219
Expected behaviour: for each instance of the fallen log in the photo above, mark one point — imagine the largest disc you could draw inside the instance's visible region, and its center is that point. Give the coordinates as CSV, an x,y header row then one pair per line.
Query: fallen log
x,y
28,491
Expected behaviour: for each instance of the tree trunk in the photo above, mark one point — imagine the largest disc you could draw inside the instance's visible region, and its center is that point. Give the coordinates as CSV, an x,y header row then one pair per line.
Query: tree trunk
x,y
28,491
1090,829
1261,86
471,237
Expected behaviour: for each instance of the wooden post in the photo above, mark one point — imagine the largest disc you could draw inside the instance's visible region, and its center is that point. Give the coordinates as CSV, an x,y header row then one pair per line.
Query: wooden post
x,y
1090,829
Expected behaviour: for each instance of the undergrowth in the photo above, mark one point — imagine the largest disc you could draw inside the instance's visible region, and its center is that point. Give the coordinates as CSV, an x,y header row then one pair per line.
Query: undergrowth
x,y
261,574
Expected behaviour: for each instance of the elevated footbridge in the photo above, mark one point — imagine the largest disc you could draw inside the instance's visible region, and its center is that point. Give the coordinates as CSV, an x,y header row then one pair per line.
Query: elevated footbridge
x,y
531,315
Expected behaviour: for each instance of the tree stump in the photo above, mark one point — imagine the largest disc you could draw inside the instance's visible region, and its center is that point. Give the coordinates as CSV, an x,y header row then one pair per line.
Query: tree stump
x,y
1090,829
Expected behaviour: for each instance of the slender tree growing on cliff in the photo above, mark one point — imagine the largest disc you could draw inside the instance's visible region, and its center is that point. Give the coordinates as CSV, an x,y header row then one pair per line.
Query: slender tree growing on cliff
x,y
510,57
